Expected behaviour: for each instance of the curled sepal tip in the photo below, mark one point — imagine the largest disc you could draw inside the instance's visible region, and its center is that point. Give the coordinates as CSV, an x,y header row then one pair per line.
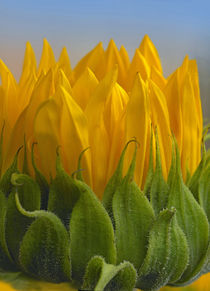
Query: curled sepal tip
x,y
159,188
100,276
63,193
16,223
133,217
5,182
114,181
44,249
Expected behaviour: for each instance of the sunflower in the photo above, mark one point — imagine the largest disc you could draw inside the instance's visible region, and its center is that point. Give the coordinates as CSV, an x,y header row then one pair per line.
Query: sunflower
x,y
103,180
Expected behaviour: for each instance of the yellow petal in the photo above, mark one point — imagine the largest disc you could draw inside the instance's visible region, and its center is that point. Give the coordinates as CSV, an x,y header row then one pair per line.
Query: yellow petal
x,y
47,133
160,119
84,87
29,65
114,119
138,65
112,58
64,63
98,137
47,60
41,92
125,57
63,81
173,100
137,123
94,60
6,287
190,141
193,71
74,134
10,105
150,53
158,78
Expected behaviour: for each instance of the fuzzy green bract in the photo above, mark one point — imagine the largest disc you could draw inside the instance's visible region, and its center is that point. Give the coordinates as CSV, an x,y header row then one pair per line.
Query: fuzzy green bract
x,y
59,231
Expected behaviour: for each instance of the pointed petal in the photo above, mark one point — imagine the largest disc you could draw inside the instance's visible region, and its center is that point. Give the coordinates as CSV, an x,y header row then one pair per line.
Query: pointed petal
x,y
190,141
41,92
150,53
137,122
173,100
125,57
99,140
63,81
46,131
94,60
160,119
112,58
138,65
74,134
47,60
158,78
29,65
84,87
64,63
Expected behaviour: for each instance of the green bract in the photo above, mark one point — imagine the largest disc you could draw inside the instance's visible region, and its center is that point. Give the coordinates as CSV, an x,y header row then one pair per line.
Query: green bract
x,y
62,232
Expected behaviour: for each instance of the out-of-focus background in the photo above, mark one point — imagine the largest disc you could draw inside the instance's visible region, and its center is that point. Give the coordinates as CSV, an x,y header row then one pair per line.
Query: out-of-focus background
x,y
176,27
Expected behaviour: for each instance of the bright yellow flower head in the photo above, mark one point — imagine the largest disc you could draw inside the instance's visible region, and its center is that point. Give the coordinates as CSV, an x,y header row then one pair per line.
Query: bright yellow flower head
x,y
103,103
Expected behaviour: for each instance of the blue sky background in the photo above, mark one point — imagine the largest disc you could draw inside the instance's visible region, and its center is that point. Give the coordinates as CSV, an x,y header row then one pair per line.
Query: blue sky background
x,y
177,28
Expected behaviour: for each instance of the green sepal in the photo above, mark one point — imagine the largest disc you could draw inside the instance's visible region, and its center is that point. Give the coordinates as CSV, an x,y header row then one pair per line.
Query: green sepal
x,y
91,232
5,182
79,169
155,272
63,194
45,248
133,217
159,189
204,191
150,171
179,252
16,223
114,182
100,276
190,217
25,169
193,183
41,180
6,262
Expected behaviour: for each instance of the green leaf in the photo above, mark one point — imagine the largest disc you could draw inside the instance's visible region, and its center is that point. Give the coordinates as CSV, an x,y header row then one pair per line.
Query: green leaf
x,y
204,191
5,182
63,194
42,182
91,232
45,248
133,217
191,218
155,272
16,223
100,276
159,189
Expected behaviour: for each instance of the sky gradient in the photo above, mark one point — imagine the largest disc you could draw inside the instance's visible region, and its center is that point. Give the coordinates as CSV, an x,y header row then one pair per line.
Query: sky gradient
x,y
177,28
